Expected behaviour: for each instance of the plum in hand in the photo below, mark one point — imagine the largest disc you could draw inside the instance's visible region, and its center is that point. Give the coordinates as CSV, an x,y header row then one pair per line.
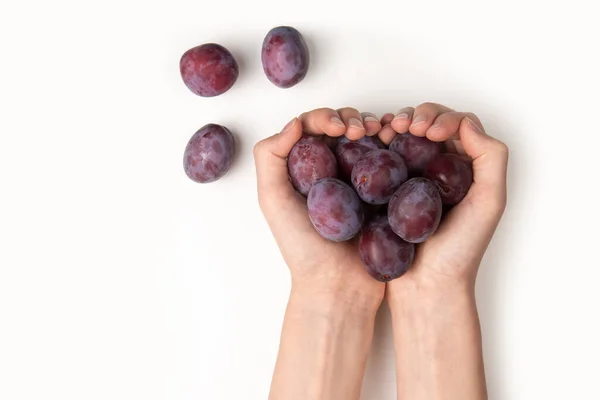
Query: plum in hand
x,y
384,254
416,151
377,175
334,210
452,175
415,210
310,160
348,152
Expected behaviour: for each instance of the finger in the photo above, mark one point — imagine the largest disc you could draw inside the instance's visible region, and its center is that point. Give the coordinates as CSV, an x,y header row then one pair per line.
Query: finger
x,y
490,158
270,158
322,121
353,121
372,124
445,129
403,119
424,116
387,134
387,118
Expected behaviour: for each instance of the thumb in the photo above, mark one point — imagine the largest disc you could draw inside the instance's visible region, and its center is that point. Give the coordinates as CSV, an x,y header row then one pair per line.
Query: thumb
x,y
490,158
270,159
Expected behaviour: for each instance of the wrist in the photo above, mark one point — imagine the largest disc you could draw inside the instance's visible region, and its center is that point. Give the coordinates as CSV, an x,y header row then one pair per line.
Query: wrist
x,y
328,299
439,297
436,329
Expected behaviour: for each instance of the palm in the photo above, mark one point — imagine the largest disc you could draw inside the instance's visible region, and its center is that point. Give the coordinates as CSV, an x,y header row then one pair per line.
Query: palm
x,y
312,255
458,245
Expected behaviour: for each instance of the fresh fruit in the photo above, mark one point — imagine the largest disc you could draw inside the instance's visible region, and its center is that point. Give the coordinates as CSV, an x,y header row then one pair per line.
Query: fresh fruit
x,y
416,151
385,255
310,160
348,152
377,175
285,56
208,70
452,175
209,153
334,210
415,210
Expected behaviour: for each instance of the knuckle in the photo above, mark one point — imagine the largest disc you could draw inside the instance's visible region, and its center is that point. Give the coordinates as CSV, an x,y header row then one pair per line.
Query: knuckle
x,y
501,147
322,110
471,116
436,107
259,148
347,110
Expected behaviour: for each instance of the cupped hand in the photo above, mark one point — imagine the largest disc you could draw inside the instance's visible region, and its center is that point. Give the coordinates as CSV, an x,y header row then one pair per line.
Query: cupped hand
x,y
455,251
316,264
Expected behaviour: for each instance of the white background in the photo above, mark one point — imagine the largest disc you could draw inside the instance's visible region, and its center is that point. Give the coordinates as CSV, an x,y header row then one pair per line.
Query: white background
x,y
122,279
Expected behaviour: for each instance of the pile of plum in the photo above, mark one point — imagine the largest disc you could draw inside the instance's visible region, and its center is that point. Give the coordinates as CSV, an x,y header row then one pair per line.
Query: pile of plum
x,y
392,198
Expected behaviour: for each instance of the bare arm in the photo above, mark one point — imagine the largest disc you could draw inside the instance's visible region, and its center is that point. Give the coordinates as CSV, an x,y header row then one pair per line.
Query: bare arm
x,y
324,347
437,336
437,341
330,316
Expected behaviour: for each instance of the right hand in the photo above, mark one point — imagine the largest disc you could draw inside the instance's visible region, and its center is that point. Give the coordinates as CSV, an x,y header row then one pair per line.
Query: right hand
x,y
317,265
454,252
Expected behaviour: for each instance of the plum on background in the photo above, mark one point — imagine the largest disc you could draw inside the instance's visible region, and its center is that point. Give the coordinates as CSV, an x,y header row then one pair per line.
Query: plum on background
x,y
377,175
452,175
348,152
209,153
208,70
384,254
415,210
416,151
310,160
285,56
334,210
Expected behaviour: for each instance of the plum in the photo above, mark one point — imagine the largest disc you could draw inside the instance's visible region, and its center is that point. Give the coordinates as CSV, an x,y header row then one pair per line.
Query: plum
x,y
416,151
285,56
384,254
209,153
334,210
208,70
452,175
377,175
415,210
310,160
348,152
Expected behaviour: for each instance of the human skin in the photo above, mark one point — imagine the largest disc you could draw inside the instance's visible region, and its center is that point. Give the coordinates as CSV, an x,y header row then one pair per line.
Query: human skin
x,y
328,325
437,336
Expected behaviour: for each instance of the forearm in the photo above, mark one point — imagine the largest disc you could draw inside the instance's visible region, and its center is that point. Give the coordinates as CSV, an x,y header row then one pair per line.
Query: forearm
x,y
324,347
437,339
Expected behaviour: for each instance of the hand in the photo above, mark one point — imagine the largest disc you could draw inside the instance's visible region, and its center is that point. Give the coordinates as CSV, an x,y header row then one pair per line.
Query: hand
x,y
455,250
316,264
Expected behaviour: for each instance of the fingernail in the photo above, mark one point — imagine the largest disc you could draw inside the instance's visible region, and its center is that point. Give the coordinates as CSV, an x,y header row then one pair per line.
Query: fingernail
x,y
370,119
474,125
402,115
289,125
419,119
436,125
337,121
355,123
